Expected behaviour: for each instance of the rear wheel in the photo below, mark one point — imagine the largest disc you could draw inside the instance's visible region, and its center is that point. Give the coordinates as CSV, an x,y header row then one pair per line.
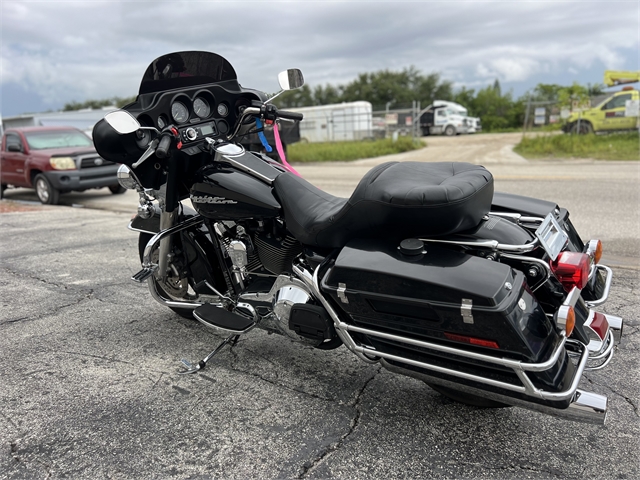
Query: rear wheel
x,y
46,192
466,398
3,187
175,287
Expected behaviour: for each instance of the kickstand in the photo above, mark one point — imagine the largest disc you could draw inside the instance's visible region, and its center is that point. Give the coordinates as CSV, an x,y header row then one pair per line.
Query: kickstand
x,y
232,339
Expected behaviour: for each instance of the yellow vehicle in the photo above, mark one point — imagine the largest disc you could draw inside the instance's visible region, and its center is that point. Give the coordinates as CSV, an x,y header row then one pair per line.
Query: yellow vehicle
x,y
609,115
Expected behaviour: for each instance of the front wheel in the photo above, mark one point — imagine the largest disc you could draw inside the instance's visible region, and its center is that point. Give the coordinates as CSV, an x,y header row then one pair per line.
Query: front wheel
x,y
46,192
450,131
466,398
176,286
117,189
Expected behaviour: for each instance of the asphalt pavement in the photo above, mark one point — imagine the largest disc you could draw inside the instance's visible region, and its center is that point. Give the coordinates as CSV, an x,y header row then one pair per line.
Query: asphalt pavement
x,y
89,385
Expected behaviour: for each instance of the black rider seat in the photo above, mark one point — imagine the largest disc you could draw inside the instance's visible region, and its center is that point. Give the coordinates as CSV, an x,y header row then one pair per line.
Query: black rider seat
x,y
393,200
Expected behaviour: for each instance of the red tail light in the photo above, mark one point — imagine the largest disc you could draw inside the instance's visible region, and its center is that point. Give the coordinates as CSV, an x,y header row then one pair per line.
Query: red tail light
x,y
599,324
572,269
471,340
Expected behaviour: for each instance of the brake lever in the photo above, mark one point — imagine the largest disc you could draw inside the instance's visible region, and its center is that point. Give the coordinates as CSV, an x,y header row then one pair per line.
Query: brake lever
x,y
150,151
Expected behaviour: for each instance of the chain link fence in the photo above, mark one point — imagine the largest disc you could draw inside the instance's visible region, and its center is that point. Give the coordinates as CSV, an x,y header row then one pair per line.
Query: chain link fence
x,y
403,120
354,121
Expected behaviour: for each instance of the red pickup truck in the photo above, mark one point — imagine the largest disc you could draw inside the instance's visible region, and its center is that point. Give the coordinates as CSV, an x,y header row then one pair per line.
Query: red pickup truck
x,y
53,160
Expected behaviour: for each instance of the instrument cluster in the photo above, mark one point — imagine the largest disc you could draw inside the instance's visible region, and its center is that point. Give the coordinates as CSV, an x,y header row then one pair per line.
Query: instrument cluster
x,y
196,113
185,110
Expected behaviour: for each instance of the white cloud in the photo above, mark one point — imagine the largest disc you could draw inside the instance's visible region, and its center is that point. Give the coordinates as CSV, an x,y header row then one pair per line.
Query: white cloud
x,y
62,51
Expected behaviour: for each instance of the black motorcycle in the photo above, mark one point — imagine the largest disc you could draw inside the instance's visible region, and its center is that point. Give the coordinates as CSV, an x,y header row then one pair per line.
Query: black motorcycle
x,y
487,297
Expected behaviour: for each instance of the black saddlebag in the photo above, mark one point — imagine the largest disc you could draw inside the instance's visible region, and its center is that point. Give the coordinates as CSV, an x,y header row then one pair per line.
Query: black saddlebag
x,y
440,295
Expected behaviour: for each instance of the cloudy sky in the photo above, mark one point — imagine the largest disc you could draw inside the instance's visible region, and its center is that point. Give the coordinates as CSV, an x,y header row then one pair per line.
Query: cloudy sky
x,y
53,52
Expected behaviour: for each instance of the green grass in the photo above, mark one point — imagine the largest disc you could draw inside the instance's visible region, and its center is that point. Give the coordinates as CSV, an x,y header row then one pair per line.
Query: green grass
x,y
346,151
622,146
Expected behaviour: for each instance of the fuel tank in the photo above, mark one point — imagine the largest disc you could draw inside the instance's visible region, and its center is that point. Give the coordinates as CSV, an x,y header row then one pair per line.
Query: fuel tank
x,y
224,193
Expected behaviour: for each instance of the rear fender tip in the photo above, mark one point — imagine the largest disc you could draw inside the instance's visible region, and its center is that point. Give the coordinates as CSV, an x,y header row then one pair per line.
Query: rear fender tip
x,y
616,324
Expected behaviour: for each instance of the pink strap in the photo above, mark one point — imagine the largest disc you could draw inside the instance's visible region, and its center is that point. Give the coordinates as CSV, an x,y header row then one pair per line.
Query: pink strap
x,y
283,159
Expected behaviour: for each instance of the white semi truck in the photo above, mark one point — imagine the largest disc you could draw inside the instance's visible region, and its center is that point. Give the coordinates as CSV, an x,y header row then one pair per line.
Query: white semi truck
x,y
447,118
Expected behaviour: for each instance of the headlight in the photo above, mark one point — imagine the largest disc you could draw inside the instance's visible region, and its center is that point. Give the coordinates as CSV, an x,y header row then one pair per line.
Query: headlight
x,y
62,163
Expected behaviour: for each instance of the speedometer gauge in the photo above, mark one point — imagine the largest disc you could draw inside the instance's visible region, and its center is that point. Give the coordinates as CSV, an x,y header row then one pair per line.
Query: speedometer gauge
x,y
223,110
179,112
201,107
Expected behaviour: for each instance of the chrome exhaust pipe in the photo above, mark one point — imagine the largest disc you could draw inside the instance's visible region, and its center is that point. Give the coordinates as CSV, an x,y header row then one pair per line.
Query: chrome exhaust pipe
x,y
586,407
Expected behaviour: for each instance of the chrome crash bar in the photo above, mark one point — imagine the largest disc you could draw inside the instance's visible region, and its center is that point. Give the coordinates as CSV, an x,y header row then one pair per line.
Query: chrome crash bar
x,y
585,406
148,267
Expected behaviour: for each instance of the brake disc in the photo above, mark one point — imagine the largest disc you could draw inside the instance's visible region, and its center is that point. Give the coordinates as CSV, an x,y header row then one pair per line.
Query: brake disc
x,y
174,284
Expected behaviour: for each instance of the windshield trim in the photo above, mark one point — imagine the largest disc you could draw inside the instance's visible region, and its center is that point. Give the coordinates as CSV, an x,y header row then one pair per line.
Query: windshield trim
x,y
185,69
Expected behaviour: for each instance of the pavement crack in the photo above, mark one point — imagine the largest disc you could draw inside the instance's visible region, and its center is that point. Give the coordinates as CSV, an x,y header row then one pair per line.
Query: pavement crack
x,y
100,357
636,408
281,385
14,451
10,422
55,311
310,466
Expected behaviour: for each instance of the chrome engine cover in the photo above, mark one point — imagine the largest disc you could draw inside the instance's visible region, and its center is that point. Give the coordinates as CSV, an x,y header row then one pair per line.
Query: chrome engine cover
x,y
285,297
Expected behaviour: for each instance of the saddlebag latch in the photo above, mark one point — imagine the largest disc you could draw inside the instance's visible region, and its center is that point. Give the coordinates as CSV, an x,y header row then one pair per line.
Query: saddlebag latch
x,y
465,310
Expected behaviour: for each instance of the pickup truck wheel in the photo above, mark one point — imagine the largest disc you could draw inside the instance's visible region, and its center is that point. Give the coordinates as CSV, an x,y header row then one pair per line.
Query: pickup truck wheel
x,y
585,128
46,192
3,187
450,131
117,189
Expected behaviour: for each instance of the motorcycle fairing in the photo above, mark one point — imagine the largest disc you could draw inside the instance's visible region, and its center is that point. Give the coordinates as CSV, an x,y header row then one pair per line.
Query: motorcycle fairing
x,y
394,199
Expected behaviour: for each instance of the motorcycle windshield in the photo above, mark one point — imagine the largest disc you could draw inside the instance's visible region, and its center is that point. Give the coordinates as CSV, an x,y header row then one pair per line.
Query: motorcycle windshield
x,y
185,69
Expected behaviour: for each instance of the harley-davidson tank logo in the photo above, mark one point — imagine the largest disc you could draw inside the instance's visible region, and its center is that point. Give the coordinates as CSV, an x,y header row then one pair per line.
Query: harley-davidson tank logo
x,y
217,200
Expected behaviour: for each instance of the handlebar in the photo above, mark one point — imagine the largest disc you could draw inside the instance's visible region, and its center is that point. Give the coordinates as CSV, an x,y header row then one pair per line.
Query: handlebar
x,y
163,147
267,111
290,115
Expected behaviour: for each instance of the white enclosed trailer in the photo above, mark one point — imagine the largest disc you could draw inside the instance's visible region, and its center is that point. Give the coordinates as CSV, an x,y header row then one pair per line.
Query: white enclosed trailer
x,y
336,123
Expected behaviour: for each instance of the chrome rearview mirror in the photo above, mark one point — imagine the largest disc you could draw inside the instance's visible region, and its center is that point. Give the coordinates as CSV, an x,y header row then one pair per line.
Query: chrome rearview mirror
x,y
291,79
122,122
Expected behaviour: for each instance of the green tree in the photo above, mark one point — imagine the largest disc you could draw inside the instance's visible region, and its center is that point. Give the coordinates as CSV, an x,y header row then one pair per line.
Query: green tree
x,y
97,104
575,92
545,92
467,99
327,95
498,111
496,87
301,97
396,88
